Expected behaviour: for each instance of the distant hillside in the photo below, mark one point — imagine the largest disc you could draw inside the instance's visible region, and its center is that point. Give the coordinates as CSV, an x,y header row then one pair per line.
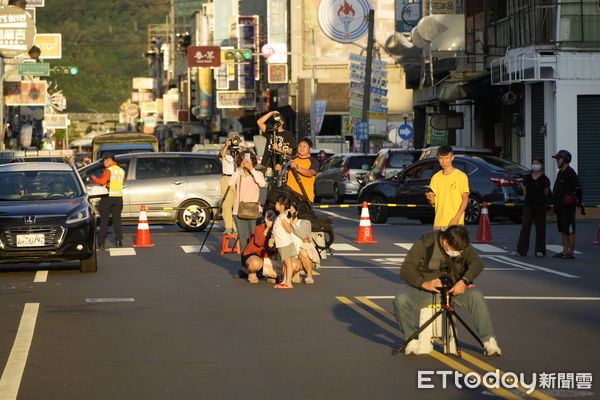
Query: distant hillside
x,y
106,39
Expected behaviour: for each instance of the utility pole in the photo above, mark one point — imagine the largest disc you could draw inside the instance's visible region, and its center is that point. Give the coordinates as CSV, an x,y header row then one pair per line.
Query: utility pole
x,y
367,87
313,95
171,71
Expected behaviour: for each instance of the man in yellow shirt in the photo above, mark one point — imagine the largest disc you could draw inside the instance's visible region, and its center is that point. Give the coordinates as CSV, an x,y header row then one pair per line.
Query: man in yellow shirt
x,y
307,168
449,192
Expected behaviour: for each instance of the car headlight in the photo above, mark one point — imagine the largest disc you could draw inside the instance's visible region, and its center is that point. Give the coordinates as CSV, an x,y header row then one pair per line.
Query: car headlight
x,y
81,215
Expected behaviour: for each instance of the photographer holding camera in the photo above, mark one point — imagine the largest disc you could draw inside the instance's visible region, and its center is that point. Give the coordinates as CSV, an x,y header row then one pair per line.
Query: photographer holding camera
x,y
280,142
227,155
443,261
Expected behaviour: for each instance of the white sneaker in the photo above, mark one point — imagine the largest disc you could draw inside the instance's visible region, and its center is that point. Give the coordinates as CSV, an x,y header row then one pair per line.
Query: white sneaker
x,y
412,348
491,348
539,254
515,254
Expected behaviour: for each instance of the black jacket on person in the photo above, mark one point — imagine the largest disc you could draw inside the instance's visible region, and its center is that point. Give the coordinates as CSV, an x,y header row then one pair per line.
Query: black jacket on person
x,y
415,268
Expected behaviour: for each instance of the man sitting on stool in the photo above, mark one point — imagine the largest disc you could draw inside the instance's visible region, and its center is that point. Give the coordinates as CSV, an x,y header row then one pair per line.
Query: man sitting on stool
x,y
436,254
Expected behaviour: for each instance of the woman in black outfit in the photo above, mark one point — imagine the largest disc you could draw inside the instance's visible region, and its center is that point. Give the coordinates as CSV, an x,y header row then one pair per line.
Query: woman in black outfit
x,y
536,186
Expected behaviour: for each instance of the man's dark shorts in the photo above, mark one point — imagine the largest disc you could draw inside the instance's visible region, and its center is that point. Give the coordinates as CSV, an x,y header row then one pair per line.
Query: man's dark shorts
x,y
565,220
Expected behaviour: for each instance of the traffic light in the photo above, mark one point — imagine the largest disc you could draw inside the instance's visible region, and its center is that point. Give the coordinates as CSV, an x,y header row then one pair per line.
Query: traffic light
x,y
236,55
65,70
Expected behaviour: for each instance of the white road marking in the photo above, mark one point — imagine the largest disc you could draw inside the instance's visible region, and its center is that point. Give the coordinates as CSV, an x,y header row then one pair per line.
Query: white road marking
x,y
512,261
509,298
335,215
344,247
110,300
124,251
503,261
13,371
40,277
406,246
391,260
488,248
557,248
194,249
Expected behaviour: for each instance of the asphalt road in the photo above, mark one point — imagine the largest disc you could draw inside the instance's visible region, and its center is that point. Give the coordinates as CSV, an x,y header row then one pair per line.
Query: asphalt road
x,y
163,323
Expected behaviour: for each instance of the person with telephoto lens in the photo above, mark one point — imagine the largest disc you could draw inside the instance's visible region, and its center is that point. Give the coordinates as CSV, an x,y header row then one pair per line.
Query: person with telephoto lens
x,y
440,257
280,142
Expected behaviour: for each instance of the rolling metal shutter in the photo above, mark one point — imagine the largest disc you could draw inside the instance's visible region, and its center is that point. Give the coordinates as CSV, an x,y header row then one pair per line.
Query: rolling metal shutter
x,y
537,120
588,147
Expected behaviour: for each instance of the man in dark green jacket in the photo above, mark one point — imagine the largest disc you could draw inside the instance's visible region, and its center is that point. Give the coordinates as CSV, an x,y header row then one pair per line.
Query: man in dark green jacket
x,y
435,254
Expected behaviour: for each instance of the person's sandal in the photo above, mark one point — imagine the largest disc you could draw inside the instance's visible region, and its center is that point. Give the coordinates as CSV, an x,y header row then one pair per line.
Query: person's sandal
x,y
283,286
558,255
253,279
309,281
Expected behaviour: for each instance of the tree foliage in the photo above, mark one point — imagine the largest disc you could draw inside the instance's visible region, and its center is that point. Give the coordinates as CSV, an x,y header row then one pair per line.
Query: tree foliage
x,y
106,40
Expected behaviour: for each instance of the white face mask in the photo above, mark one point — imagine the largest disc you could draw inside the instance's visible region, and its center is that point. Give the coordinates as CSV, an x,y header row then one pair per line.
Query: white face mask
x,y
453,253
536,167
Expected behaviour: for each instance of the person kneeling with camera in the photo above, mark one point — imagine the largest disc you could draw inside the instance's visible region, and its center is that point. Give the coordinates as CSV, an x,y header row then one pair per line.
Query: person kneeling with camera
x,y
446,257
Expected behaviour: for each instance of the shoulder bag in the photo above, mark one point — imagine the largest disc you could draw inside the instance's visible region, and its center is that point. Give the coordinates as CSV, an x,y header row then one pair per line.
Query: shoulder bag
x,y
247,209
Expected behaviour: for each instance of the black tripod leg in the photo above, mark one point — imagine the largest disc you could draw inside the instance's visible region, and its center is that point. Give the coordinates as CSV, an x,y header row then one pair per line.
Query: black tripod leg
x,y
469,329
417,332
450,316
206,237
212,223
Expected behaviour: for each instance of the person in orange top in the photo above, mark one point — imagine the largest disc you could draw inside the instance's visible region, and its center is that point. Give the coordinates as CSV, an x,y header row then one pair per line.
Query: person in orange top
x,y
307,168
112,178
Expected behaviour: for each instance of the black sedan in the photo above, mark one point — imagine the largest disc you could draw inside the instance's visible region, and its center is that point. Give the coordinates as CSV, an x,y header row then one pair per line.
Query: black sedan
x,y
492,180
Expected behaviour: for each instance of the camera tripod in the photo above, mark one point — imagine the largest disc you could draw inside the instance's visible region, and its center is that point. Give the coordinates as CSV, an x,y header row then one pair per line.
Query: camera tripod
x,y
447,309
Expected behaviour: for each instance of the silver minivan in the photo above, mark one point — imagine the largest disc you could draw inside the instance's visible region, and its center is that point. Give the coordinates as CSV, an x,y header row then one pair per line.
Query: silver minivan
x,y
174,186
339,176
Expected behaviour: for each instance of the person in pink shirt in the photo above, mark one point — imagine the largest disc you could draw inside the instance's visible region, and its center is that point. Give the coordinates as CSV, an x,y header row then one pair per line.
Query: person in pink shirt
x,y
247,182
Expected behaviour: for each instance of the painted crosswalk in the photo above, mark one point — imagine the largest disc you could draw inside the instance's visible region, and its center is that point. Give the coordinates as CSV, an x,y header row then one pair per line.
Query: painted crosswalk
x,y
194,249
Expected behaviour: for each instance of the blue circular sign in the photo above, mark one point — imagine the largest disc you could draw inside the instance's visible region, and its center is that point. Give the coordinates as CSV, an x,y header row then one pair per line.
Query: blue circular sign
x,y
344,21
405,131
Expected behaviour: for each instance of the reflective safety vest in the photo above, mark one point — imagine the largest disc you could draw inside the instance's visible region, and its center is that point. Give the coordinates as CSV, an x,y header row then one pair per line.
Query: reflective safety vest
x,y
117,176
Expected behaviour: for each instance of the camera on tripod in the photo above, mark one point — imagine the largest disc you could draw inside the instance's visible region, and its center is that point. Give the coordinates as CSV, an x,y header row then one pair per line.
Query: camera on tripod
x,y
234,148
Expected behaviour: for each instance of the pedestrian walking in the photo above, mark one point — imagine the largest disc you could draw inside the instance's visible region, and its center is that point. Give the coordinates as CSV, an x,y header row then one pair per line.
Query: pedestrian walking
x,y
449,191
111,206
536,187
567,196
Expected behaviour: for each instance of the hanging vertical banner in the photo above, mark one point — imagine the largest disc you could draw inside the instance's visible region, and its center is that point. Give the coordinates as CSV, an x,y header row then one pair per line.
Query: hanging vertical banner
x,y
206,99
277,24
319,113
246,34
224,11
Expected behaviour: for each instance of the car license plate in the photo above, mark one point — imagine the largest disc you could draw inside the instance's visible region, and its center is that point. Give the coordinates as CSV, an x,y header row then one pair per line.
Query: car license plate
x,y
31,240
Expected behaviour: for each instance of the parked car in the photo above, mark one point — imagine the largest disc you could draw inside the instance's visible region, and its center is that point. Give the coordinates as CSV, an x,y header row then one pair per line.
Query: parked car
x,y
338,178
456,150
491,179
171,185
123,143
391,161
45,215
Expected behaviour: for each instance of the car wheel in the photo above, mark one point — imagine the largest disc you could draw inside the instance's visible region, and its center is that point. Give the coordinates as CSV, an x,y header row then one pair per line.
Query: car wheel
x,y
426,220
517,219
473,211
378,214
337,197
193,216
89,265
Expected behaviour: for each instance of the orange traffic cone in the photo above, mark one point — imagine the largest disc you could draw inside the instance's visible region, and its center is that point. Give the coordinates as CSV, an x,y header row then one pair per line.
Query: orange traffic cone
x,y
143,233
598,236
365,232
484,232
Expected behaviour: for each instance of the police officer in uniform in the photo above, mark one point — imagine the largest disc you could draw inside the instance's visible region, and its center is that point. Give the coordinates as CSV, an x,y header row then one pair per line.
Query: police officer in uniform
x,y
112,179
